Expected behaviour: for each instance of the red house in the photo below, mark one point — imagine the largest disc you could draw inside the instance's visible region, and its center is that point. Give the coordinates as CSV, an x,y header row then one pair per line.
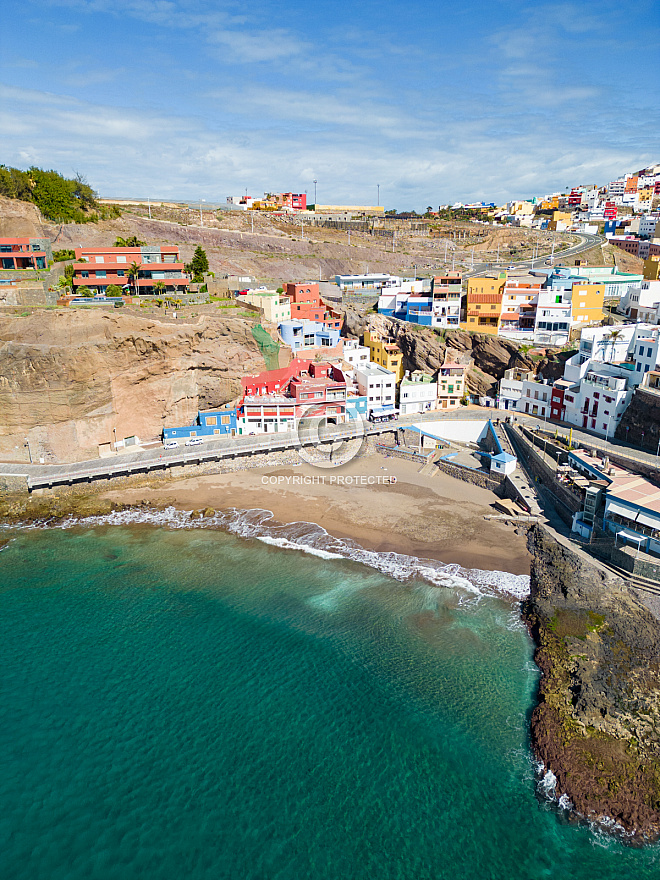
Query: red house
x,y
25,253
98,268
275,399
307,305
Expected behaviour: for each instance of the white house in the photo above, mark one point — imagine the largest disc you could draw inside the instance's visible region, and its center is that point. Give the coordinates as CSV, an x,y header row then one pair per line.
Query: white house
x,y
417,393
535,398
511,388
354,354
641,303
377,384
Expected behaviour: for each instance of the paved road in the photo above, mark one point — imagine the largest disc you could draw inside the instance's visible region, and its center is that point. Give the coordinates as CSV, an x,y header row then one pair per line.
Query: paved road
x,y
46,475
545,260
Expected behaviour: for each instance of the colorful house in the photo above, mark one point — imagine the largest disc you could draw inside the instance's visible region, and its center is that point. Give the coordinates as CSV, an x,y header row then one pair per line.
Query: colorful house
x,y
484,303
451,385
98,268
384,352
275,400
25,253
209,424
300,335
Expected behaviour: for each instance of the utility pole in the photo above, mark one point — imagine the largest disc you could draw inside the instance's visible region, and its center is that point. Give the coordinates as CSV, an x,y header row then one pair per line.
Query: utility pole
x,y
201,219
252,220
302,229
149,201
446,246
378,200
349,237
473,258
315,182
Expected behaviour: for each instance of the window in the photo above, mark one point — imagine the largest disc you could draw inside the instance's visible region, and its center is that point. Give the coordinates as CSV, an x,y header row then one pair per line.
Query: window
x,y
121,259
225,420
99,259
211,420
85,273
101,273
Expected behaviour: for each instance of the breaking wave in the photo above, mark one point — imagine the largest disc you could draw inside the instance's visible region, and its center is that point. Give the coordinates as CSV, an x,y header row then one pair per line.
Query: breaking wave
x,y
310,538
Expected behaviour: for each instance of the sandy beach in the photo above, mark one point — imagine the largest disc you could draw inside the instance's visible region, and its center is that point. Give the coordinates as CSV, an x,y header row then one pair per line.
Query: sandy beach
x,y
383,504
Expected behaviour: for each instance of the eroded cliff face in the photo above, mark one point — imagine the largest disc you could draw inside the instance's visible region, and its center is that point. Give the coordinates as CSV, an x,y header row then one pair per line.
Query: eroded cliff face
x,y
68,378
597,722
424,349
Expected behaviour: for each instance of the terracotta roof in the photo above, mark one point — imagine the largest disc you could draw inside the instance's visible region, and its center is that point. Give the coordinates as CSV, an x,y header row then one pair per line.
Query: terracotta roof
x,y
484,298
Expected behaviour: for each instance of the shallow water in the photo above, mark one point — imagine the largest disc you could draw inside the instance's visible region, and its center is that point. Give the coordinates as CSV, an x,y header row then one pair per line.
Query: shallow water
x,y
194,704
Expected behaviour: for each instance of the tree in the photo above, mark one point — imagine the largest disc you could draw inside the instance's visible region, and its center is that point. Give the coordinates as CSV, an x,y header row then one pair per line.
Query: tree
x,y
133,273
160,288
198,265
113,290
132,241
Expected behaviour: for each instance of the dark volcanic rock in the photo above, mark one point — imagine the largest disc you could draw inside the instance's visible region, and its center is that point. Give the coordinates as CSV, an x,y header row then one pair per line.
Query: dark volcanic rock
x,y
597,722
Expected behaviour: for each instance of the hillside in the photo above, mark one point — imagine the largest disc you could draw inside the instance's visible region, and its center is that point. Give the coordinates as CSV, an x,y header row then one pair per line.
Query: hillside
x,y
279,249
68,378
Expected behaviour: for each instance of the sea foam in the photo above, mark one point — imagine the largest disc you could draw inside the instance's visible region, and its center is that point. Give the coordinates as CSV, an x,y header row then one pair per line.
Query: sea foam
x,y
311,538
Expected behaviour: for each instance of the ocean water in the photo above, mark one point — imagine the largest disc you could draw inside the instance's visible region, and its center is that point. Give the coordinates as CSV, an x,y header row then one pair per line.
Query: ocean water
x,y
195,704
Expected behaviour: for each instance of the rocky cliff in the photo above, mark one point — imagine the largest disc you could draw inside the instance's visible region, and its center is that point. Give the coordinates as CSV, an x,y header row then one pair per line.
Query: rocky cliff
x,y
69,378
487,356
597,722
640,423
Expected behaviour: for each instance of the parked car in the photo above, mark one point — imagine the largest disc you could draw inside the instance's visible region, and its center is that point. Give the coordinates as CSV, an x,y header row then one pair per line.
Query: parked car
x,y
171,444
194,441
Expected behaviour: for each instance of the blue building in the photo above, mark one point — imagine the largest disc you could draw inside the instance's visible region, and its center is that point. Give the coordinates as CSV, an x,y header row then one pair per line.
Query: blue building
x,y
300,335
356,407
209,423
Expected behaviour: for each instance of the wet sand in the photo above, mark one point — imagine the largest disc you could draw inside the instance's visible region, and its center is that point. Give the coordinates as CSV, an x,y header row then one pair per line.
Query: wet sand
x,y
435,517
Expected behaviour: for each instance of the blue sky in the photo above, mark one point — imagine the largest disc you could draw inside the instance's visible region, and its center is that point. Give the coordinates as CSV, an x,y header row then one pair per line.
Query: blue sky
x,y
436,102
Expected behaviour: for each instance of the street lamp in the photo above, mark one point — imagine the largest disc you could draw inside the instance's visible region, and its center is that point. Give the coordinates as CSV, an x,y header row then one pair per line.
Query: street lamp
x,y
378,188
201,219
27,443
315,182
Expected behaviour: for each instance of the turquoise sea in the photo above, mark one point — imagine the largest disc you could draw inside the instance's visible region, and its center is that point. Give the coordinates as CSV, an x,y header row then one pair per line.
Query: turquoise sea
x,y
193,704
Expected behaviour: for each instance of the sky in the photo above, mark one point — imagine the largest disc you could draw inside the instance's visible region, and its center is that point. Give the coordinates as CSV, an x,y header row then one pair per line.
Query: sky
x,y
433,102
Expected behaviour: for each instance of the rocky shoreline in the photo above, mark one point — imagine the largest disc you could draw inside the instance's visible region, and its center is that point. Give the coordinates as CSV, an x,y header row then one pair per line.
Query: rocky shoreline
x,y
596,725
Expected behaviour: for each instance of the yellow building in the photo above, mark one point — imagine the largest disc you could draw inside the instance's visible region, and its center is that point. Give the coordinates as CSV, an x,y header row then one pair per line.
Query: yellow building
x,y
384,352
484,303
587,303
652,268
560,219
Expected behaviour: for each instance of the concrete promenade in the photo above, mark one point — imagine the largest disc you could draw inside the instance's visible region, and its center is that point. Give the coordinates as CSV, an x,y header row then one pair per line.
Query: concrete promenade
x,y
38,476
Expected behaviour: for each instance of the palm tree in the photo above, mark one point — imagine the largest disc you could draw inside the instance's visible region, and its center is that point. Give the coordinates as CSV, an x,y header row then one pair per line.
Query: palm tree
x,y
612,339
160,288
133,273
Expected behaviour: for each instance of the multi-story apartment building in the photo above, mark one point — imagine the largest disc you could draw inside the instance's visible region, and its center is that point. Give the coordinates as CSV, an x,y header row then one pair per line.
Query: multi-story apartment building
x,y
98,268
451,385
378,385
307,305
511,388
25,253
535,398
355,355
384,352
276,400
519,305
641,303
484,303
417,393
